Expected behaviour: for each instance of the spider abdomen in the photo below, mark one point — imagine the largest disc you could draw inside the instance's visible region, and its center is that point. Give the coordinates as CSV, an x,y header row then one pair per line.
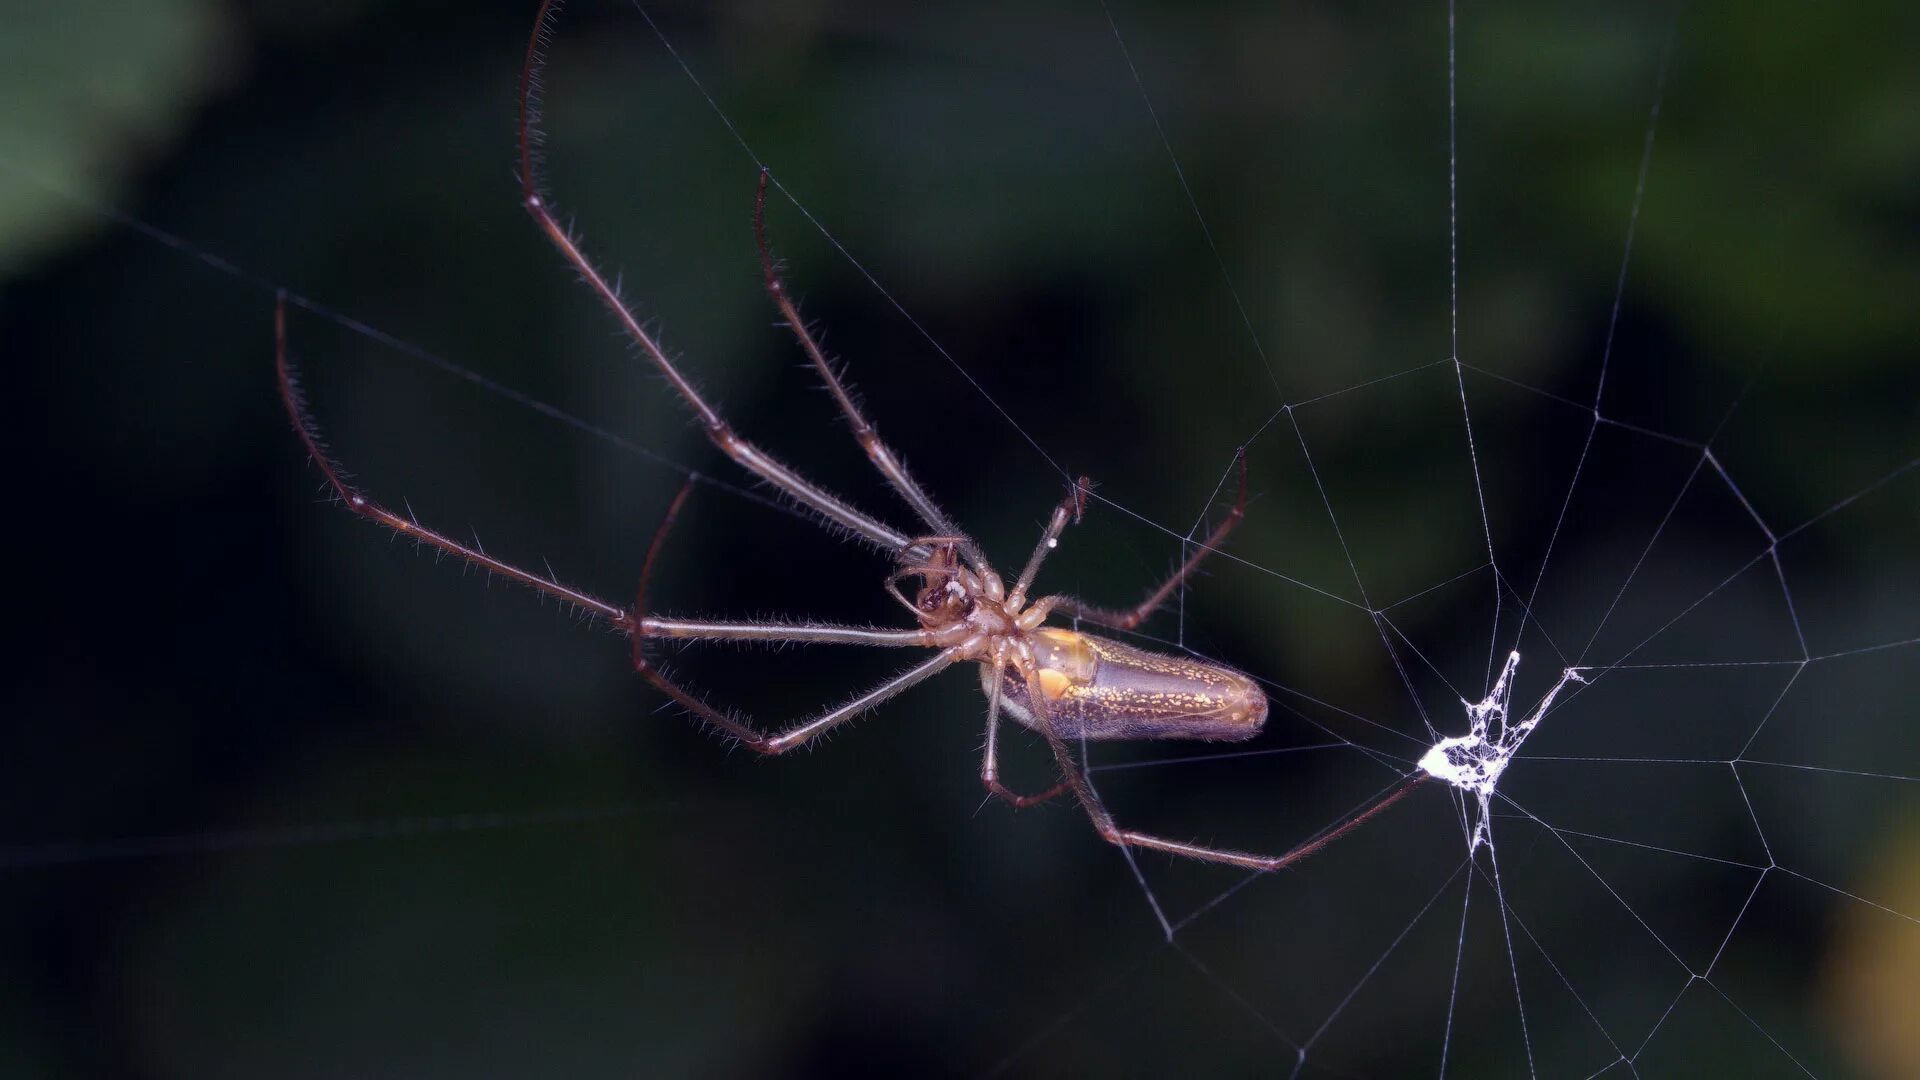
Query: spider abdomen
x,y
1094,688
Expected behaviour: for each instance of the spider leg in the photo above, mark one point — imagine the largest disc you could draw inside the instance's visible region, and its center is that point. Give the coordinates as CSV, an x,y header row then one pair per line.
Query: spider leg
x,y
990,763
812,633
360,504
745,454
1070,510
805,730
782,633
882,456
1262,863
1130,618
638,628
1112,833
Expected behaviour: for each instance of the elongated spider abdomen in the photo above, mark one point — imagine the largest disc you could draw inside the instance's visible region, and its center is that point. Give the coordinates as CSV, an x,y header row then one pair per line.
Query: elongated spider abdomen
x,y
1095,688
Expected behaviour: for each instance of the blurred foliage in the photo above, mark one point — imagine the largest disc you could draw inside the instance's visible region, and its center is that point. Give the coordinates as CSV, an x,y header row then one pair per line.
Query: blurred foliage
x,y
1873,976
146,67
217,658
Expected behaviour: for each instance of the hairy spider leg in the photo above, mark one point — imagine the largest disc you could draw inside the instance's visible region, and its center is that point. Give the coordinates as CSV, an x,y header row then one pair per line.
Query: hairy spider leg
x,y
351,497
889,463
749,457
637,627
800,733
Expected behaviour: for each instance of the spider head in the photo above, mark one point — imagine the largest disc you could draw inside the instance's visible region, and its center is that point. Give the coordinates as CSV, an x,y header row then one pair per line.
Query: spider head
x,y
944,597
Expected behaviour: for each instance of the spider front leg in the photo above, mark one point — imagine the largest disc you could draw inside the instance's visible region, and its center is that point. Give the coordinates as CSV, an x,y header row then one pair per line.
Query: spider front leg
x,y
884,459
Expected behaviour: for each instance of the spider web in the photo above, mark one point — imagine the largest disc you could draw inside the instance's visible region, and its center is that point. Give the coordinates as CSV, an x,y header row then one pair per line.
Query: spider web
x,y
1679,953
1637,703
1658,744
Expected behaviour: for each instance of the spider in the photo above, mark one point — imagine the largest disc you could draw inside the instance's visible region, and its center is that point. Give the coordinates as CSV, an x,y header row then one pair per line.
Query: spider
x,y
1062,684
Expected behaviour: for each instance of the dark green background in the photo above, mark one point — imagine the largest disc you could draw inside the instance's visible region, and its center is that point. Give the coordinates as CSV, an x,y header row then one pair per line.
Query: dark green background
x,y
283,798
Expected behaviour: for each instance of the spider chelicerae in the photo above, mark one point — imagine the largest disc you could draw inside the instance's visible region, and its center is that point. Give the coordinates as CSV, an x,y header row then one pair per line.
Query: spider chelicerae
x,y
1065,685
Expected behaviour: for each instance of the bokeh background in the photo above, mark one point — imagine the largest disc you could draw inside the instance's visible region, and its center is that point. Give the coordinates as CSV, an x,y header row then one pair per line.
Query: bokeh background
x,y
284,798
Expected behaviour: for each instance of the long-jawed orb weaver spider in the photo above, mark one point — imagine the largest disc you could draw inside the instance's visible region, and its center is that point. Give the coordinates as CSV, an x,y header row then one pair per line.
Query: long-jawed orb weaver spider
x,y
1064,685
